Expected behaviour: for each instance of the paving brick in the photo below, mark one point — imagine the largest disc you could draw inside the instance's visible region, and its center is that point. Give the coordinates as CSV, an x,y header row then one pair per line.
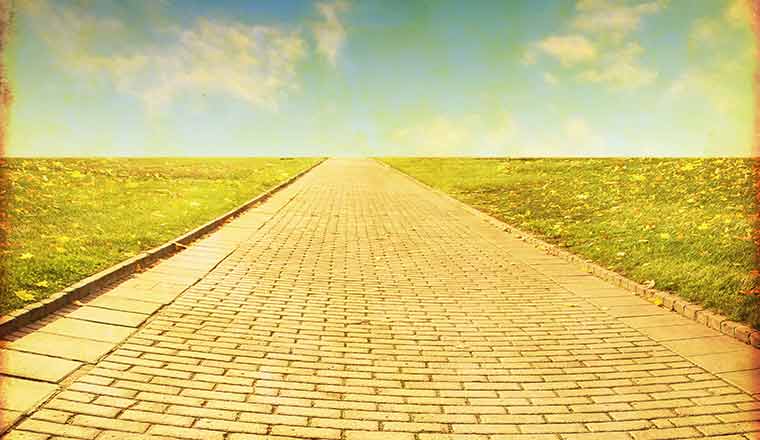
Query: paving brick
x,y
120,435
432,436
445,418
76,396
25,435
168,399
274,419
52,415
366,435
597,436
309,412
157,418
553,428
730,428
83,408
60,429
632,425
513,418
109,423
117,402
185,433
414,427
191,411
474,409
665,434
101,390
365,425
161,372
299,431
577,418
376,415
230,426
150,406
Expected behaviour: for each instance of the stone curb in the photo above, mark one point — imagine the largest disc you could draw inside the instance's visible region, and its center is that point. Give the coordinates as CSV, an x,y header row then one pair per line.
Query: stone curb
x,y
39,309
737,330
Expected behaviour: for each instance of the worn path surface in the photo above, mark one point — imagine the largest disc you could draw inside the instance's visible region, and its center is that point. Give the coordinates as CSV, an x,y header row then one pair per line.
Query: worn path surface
x,y
368,307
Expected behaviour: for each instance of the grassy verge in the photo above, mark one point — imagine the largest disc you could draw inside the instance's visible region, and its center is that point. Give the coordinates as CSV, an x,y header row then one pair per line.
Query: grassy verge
x,y
684,224
67,219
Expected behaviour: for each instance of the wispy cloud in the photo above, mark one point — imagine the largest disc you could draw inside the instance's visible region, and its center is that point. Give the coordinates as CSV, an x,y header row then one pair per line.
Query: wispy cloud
x,y
602,48
620,68
705,30
735,16
715,79
550,78
568,49
256,64
330,32
612,18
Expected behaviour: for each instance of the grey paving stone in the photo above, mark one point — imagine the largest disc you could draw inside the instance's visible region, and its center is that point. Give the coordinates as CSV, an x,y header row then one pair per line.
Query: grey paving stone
x,y
35,366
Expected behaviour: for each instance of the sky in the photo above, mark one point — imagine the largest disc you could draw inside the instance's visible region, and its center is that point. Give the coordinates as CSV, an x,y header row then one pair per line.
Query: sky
x,y
380,78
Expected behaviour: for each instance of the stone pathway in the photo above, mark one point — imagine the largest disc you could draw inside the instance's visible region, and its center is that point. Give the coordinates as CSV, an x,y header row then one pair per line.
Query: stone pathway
x,y
356,304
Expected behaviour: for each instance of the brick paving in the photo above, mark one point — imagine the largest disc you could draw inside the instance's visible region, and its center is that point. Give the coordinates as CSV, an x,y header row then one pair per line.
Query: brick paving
x,y
368,307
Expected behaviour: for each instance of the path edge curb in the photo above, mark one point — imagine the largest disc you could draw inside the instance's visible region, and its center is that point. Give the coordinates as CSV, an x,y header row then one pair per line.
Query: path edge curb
x,y
39,309
674,303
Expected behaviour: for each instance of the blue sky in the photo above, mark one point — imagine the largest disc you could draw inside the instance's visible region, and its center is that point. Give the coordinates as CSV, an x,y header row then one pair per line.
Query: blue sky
x,y
392,77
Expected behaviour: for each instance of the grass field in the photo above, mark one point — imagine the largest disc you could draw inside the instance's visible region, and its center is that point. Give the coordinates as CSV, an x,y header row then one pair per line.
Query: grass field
x,y
70,218
684,224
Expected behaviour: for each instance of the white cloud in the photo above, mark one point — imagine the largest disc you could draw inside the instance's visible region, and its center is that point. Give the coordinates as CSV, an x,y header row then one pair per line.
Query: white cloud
x,y
331,32
705,30
681,85
714,84
256,64
621,69
568,49
600,49
614,18
736,16
253,63
550,78
717,79
70,31
529,57
724,92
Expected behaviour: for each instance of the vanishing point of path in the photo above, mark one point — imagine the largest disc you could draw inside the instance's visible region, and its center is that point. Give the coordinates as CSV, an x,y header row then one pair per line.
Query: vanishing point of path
x,y
369,307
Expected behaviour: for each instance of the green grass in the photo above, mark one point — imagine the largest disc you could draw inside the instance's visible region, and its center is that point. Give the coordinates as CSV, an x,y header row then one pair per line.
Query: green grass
x,y
686,224
67,219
